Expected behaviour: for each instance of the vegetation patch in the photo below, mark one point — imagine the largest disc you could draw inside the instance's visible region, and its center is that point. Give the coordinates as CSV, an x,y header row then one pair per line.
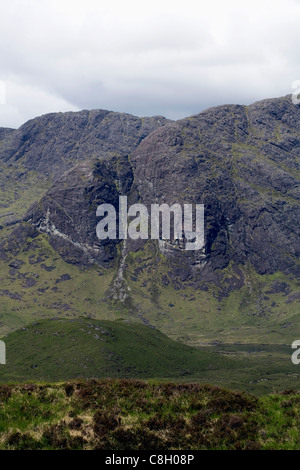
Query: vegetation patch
x,y
116,414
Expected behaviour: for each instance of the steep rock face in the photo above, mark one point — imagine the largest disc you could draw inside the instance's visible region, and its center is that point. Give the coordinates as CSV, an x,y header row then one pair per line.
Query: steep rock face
x,y
54,143
242,163
67,212
34,156
5,131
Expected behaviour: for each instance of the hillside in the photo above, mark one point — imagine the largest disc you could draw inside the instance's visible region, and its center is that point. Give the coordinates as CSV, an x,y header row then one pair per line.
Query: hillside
x,y
62,349
134,415
66,349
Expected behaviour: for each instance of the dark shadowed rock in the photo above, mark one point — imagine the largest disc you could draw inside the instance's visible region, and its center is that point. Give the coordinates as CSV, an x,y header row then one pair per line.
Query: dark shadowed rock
x,y
54,143
241,163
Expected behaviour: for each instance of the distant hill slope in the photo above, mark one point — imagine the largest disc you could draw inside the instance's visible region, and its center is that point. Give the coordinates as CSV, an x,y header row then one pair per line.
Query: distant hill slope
x,y
62,349
65,349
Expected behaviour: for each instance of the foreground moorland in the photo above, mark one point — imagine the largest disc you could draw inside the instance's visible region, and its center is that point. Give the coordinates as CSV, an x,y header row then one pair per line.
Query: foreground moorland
x,y
135,415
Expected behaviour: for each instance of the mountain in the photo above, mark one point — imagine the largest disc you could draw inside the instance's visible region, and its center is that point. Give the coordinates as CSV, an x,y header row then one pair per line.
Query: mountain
x,y
241,162
35,155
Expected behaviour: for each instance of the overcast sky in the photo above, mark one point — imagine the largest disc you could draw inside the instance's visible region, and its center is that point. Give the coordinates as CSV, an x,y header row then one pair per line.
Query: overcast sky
x,y
172,58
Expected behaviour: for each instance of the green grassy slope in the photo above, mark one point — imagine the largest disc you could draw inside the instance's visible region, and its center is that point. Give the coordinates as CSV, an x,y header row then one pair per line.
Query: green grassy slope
x,y
43,285
65,349
19,189
62,349
257,313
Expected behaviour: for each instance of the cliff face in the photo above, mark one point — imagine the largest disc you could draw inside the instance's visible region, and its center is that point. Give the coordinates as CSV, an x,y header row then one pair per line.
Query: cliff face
x,y
54,143
241,162
39,152
67,212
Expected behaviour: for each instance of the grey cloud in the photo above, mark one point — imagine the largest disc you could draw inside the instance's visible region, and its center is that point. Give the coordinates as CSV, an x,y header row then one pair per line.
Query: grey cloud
x,y
169,57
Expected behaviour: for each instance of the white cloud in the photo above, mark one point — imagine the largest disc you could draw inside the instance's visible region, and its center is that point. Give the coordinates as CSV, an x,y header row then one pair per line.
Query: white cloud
x,y
162,57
